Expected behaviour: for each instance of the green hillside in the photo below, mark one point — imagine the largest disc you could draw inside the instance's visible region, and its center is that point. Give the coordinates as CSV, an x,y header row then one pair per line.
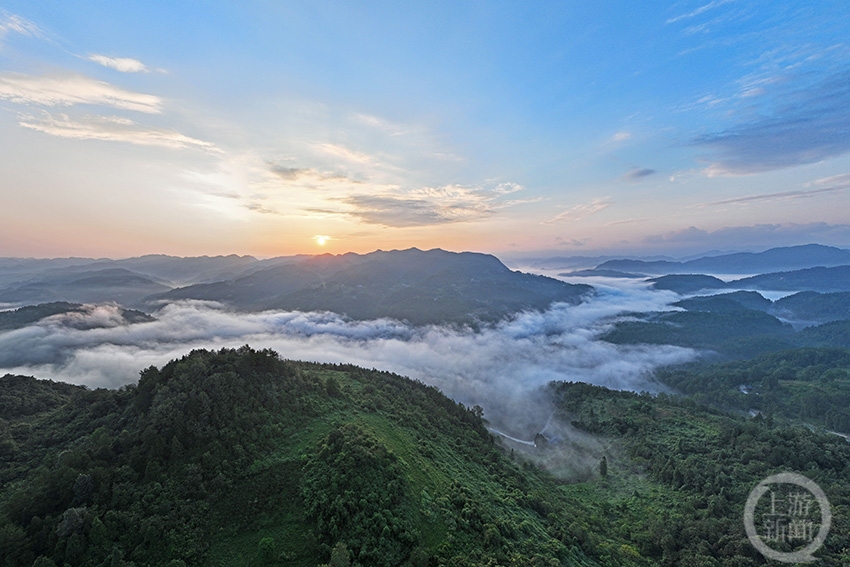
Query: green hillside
x,y
731,332
741,324
238,458
679,474
809,385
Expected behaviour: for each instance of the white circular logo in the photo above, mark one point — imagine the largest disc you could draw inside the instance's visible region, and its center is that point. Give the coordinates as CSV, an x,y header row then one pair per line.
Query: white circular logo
x,y
788,519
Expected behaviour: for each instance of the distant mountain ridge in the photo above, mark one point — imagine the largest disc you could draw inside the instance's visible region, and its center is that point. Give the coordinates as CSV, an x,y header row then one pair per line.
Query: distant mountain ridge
x,y
773,260
422,287
169,270
820,279
86,286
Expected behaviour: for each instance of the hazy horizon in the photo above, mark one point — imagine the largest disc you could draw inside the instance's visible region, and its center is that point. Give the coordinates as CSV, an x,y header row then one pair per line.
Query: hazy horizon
x,y
510,257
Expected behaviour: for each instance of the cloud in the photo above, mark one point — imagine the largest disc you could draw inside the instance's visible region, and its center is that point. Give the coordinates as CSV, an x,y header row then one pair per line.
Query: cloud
x,y
400,212
428,205
701,10
260,208
70,90
685,235
289,173
11,23
122,64
306,173
637,174
572,242
808,125
627,221
112,129
755,237
834,182
621,136
579,212
381,124
498,367
781,196
347,154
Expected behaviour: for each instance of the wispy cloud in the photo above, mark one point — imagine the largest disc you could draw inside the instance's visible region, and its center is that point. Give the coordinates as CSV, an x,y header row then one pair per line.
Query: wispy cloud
x,y
400,212
289,173
308,174
781,196
701,10
112,129
122,64
637,174
621,136
627,221
71,90
11,23
260,208
382,124
808,125
347,154
579,212
393,207
760,236
836,181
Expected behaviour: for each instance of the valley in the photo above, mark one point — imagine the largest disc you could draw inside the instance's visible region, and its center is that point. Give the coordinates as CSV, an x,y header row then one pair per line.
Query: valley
x,y
585,424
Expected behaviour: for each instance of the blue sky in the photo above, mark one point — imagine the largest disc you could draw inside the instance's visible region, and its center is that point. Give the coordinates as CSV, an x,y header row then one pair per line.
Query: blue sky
x,y
567,128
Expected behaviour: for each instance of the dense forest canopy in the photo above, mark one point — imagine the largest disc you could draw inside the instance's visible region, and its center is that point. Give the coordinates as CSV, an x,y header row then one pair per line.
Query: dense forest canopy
x,y
237,457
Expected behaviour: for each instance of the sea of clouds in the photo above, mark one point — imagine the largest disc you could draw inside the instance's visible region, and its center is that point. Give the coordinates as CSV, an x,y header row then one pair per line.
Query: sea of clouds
x,y
501,368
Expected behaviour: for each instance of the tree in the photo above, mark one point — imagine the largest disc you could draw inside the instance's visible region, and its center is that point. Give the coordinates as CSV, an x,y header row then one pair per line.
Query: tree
x,y
268,550
603,467
332,387
339,556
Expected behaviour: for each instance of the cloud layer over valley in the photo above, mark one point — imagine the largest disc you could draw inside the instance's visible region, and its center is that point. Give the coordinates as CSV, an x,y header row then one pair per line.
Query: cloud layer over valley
x,y
498,367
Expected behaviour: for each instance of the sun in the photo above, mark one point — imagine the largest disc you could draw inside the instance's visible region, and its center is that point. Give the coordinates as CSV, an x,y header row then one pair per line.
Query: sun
x,y
321,239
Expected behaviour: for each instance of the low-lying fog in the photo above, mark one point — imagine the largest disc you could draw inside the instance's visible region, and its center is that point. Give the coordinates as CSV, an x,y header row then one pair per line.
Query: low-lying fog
x,y
498,368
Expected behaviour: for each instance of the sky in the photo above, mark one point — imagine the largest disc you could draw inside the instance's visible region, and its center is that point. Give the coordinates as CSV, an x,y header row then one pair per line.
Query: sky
x,y
516,128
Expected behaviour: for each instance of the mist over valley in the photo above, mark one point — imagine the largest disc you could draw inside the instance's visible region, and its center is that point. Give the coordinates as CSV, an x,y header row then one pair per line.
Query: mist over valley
x,y
578,379
482,333
424,284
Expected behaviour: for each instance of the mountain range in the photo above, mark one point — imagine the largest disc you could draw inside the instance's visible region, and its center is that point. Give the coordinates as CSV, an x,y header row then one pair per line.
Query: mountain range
x,y
780,259
822,280
421,287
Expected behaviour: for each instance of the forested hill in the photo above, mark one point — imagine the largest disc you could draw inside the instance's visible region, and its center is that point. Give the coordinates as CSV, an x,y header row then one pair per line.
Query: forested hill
x,y
238,458
422,287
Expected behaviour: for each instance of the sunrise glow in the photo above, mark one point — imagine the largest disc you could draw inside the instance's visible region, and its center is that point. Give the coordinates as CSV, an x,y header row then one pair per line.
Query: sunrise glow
x,y
521,128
